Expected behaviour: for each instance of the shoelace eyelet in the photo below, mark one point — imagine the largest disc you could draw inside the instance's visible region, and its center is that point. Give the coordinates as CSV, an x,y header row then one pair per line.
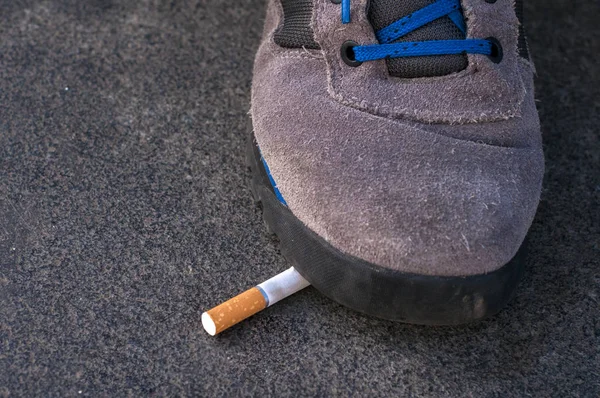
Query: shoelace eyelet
x,y
347,53
497,51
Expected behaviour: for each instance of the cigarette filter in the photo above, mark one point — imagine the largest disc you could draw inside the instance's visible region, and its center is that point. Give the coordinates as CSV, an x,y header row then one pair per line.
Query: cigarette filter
x,y
252,301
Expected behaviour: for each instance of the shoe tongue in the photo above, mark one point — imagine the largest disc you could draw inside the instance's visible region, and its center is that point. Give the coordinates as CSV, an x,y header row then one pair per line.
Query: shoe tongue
x,y
384,12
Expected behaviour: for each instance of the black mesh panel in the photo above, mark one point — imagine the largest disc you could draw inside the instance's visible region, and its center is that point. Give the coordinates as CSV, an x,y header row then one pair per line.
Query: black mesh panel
x,y
523,48
384,12
296,32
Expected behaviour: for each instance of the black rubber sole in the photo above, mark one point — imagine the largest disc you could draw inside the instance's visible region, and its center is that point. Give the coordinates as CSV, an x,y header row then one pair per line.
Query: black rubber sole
x,y
375,290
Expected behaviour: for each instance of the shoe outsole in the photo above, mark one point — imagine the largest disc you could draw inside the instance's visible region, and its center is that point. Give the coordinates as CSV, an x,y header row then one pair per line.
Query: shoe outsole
x,y
373,289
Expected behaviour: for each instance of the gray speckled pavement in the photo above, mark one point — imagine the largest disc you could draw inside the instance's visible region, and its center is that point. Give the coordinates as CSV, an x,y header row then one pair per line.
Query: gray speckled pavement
x,y
124,212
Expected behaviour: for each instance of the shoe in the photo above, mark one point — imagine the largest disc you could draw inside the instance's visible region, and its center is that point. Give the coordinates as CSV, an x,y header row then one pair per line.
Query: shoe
x,y
396,150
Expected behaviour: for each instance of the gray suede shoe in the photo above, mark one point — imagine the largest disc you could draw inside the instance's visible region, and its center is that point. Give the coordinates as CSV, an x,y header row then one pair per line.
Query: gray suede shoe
x,y
396,150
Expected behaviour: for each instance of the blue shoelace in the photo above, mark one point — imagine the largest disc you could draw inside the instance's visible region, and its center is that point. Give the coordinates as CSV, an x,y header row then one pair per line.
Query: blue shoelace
x,y
411,22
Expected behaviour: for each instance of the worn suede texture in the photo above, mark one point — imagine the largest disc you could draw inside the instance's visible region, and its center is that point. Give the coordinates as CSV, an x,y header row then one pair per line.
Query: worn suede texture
x,y
385,183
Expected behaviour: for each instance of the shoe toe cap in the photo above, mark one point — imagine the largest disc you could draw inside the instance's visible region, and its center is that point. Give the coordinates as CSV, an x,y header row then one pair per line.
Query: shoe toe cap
x,y
413,201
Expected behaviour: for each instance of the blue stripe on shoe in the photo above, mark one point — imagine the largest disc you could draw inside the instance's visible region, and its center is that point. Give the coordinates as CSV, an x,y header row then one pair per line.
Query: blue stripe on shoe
x,y
272,180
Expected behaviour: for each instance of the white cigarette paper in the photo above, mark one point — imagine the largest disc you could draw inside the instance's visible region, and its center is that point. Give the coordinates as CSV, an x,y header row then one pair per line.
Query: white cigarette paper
x,y
252,301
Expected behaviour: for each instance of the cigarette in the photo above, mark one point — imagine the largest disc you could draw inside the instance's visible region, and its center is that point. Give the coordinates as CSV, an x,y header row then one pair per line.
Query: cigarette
x,y
254,300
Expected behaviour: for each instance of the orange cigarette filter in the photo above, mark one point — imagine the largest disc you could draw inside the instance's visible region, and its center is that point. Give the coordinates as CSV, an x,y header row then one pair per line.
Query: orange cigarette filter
x,y
233,311
252,301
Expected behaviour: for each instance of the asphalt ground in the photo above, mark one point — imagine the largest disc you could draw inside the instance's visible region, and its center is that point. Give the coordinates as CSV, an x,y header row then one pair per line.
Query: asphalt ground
x,y
124,212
